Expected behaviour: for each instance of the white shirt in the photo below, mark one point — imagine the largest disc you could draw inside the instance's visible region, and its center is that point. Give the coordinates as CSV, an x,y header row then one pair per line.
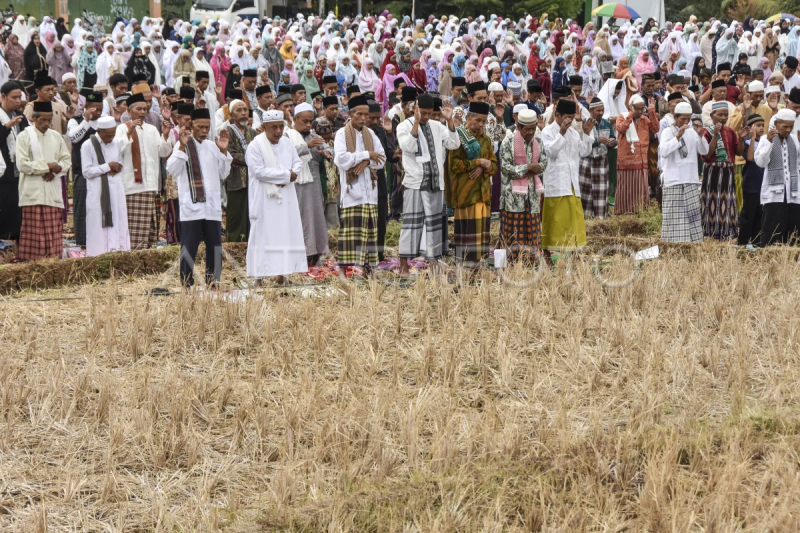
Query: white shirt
x,y
679,170
443,139
362,191
762,157
33,190
791,83
152,146
100,240
257,118
76,131
564,153
215,167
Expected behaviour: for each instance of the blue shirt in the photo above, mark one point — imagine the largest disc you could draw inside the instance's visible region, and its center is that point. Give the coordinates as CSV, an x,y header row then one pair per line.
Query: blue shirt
x,y
752,174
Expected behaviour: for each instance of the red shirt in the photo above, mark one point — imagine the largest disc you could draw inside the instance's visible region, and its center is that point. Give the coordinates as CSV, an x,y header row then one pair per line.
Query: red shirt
x,y
733,93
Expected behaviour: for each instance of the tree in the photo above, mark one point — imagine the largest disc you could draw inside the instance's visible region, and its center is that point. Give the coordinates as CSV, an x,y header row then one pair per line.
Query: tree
x,y
741,9
563,8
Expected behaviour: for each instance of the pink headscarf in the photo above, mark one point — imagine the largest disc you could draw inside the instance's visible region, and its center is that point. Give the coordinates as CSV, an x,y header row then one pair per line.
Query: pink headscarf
x,y
367,79
288,66
49,39
644,65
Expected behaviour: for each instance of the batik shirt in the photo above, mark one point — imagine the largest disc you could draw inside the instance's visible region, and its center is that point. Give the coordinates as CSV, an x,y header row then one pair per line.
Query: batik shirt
x,y
515,203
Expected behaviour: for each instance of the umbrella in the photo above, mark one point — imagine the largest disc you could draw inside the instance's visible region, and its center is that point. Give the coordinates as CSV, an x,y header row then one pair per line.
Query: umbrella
x,y
780,16
618,11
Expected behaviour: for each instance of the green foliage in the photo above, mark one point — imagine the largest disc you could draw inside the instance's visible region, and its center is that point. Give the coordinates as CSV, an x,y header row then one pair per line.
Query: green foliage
x,y
788,6
562,8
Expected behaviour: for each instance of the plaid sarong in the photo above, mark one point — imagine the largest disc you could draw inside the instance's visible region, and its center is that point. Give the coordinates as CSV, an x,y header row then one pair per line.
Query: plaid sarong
x,y
471,233
142,220
41,235
358,236
521,234
593,181
718,202
421,207
681,213
632,191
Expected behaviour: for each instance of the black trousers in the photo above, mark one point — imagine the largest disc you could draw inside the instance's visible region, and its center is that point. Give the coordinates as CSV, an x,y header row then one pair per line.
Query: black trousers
x,y
383,209
780,223
79,192
750,219
192,233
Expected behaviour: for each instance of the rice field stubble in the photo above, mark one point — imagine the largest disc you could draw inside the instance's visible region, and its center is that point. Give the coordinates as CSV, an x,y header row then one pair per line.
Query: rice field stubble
x,y
667,404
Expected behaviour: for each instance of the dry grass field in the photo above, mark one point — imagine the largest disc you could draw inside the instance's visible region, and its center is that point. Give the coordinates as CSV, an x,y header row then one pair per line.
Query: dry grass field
x,y
553,403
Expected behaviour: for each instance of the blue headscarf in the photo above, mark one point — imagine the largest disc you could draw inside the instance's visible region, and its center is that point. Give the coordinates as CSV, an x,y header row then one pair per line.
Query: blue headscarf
x,y
508,76
459,65
559,73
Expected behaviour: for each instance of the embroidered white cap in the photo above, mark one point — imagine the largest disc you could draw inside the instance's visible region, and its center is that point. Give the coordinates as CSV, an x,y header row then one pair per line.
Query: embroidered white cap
x,y
519,108
272,116
494,86
637,99
683,109
755,86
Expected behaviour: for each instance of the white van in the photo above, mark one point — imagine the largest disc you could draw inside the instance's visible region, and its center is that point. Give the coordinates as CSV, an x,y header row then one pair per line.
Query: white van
x,y
228,9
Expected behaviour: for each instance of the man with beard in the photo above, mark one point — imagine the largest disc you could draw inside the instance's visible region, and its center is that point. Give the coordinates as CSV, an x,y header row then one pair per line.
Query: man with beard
x,y
237,218
309,148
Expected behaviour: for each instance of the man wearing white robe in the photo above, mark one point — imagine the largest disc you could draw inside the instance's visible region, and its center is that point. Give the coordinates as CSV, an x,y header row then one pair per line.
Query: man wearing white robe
x,y
275,246
104,234
141,177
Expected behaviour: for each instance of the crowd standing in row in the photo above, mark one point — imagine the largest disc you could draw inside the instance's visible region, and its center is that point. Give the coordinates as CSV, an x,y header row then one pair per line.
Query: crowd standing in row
x,y
292,128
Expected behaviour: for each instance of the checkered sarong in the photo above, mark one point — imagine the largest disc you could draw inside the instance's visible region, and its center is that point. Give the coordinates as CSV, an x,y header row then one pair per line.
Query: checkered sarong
x,y
358,236
418,207
521,234
471,233
593,181
41,234
681,213
142,221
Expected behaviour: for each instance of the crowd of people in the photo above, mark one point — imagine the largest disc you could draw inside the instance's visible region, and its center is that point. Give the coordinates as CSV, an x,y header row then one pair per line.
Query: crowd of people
x,y
290,128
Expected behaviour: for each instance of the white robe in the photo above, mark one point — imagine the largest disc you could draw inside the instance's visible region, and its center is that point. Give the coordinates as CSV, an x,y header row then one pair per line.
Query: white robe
x,y
215,167
100,240
276,246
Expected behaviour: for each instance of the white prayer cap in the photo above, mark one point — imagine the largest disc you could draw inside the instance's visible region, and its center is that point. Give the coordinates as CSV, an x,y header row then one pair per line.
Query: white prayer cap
x,y
519,108
493,65
772,89
526,116
755,86
786,114
272,116
494,86
233,103
105,123
67,76
682,109
303,108
637,99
